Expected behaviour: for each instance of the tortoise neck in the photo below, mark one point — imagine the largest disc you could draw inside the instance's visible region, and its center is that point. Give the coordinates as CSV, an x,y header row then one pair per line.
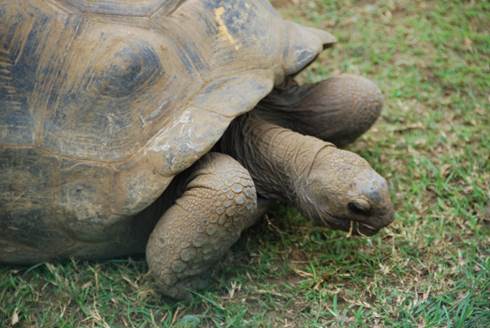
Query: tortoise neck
x,y
278,159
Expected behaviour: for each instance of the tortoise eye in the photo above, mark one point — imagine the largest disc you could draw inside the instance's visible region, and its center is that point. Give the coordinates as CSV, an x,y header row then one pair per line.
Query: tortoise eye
x,y
360,206
129,70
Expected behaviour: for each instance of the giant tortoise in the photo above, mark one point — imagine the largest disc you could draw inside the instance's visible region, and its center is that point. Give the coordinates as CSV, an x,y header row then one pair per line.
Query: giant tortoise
x,y
127,127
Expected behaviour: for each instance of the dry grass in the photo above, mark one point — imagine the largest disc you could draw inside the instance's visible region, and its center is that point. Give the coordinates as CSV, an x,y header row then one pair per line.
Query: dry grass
x,y
431,268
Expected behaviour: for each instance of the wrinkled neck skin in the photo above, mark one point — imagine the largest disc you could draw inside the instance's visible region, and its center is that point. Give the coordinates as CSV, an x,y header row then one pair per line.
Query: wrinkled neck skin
x,y
279,160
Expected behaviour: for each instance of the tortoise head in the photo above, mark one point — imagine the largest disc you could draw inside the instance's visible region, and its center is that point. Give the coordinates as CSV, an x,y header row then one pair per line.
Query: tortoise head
x,y
343,192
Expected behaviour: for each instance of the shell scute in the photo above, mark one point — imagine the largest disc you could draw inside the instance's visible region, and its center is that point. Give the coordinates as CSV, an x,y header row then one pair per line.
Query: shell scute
x,y
123,7
104,102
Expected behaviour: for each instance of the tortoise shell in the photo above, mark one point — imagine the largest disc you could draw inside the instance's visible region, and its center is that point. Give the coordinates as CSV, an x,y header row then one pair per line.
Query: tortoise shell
x,y
103,102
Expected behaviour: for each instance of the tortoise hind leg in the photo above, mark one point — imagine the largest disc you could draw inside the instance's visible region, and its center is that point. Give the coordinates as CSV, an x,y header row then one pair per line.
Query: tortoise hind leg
x,y
338,110
218,203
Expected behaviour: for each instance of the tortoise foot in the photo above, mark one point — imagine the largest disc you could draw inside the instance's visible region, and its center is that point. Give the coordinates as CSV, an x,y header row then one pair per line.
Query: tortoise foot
x,y
219,202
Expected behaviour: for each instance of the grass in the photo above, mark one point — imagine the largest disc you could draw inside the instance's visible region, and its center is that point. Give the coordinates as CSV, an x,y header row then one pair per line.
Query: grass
x,y
431,268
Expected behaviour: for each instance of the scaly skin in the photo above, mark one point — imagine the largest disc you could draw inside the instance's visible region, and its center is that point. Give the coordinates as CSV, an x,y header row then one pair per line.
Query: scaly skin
x,y
333,186
219,202
276,144
337,110
336,188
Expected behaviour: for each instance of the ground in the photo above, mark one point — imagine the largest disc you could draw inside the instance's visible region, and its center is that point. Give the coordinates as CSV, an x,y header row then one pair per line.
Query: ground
x,y
431,268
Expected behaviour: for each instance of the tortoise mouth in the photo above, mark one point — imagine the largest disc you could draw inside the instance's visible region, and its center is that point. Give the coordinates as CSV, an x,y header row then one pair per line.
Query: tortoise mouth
x,y
353,227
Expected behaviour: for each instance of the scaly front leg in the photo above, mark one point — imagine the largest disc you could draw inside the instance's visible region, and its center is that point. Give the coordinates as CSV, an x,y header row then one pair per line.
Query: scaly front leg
x,y
218,203
337,110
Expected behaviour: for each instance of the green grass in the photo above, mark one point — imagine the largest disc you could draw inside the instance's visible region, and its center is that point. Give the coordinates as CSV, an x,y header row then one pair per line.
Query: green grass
x,y
431,268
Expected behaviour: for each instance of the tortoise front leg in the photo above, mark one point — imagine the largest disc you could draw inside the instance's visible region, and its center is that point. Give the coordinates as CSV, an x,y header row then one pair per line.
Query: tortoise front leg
x,y
218,203
338,110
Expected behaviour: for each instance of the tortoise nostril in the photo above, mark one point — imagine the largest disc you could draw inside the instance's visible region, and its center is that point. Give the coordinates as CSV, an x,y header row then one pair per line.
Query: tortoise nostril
x,y
360,207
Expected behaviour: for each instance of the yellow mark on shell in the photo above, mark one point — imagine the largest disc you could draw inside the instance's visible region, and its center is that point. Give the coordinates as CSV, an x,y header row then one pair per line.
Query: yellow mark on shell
x,y
223,29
